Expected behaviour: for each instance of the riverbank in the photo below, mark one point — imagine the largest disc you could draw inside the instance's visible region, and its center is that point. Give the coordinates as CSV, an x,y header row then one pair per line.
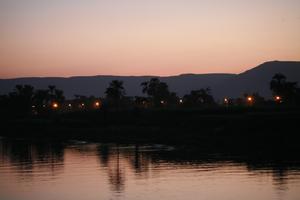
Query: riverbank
x,y
243,127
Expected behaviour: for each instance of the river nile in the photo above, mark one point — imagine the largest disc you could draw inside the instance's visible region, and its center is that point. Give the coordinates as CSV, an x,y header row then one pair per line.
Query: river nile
x,y
77,170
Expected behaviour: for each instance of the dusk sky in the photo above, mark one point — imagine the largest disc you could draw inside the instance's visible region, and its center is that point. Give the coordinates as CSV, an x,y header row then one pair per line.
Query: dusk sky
x,y
144,37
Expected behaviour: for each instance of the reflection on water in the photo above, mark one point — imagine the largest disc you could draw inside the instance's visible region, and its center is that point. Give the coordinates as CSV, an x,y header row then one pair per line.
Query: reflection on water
x,y
79,170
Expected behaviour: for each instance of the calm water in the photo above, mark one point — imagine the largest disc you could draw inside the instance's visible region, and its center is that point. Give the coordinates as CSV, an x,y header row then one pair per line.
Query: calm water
x,y
92,171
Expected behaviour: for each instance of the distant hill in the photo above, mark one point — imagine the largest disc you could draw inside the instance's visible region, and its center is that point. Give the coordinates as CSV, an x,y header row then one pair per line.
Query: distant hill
x,y
257,79
231,85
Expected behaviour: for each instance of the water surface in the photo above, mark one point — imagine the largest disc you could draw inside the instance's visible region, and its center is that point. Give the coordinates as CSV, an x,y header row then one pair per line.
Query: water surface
x,y
76,170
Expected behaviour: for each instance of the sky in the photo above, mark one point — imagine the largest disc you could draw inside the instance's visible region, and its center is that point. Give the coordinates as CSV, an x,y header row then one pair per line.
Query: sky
x,y
144,37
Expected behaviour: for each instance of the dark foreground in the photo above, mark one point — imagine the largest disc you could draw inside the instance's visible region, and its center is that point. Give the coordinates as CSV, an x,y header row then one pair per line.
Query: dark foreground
x,y
221,127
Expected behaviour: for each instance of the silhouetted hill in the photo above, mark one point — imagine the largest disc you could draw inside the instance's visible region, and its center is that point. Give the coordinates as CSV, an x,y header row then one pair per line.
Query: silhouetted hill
x,y
96,85
257,79
231,85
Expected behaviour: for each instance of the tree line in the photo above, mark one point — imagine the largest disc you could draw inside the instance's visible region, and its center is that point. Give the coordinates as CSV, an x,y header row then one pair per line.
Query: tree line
x,y
24,99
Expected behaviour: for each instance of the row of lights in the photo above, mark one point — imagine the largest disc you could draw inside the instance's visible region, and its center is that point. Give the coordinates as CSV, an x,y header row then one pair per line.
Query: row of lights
x,y
250,99
55,105
164,102
97,104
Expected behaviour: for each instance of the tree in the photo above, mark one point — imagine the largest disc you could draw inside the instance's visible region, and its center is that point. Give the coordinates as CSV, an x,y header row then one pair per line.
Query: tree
x,y
199,97
158,91
59,95
55,95
287,91
4,104
41,97
21,99
115,92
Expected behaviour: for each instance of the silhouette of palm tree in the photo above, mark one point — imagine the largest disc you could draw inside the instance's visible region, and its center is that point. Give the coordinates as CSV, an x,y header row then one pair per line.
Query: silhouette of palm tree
x,y
115,92
288,91
158,91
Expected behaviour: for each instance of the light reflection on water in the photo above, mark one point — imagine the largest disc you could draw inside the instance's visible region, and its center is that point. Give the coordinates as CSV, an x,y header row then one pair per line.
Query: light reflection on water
x,y
78,170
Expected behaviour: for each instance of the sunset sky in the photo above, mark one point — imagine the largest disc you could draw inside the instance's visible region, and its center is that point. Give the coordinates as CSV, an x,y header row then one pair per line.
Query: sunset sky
x,y
144,37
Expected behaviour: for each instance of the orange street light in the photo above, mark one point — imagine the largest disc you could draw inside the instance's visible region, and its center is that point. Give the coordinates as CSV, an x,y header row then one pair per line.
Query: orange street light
x,y
277,98
97,104
249,99
55,105
225,100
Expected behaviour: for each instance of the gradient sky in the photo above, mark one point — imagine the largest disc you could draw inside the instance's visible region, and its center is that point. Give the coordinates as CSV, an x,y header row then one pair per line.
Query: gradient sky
x,y
144,37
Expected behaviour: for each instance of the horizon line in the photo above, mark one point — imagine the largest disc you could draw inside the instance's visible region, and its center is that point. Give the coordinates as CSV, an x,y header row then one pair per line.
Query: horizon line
x,y
162,76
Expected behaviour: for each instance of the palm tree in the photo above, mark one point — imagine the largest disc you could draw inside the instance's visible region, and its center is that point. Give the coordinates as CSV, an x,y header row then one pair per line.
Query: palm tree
x,y
158,91
199,97
41,97
59,95
115,92
55,95
288,91
22,98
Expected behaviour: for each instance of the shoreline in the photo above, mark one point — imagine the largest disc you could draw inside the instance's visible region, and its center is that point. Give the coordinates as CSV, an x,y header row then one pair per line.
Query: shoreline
x,y
231,127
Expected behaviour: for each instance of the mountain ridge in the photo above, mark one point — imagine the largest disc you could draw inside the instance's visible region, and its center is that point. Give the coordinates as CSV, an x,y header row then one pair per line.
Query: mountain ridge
x,y
222,84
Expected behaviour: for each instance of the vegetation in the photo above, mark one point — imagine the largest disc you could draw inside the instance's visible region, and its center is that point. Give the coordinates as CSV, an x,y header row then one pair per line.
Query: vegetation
x,y
160,116
199,98
115,93
288,92
158,93
24,100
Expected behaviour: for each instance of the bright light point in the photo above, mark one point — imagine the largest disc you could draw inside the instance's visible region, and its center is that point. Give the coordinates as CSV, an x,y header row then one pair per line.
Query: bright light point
x,y
180,101
55,105
250,99
97,104
278,98
162,102
70,105
33,106
226,100
82,104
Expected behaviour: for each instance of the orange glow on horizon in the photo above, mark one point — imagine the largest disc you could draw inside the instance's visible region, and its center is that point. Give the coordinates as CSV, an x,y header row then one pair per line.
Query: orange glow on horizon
x,y
164,38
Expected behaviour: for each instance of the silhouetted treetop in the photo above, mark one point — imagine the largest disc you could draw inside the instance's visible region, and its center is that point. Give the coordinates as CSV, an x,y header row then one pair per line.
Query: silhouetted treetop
x,y
199,97
287,91
158,91
115,92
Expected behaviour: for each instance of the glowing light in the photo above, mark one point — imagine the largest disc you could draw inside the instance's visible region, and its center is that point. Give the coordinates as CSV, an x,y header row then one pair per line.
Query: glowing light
x,y
70,105
162,102
225,100
33,106
180,101
55,105
250,99
277,98
82,104
97,104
